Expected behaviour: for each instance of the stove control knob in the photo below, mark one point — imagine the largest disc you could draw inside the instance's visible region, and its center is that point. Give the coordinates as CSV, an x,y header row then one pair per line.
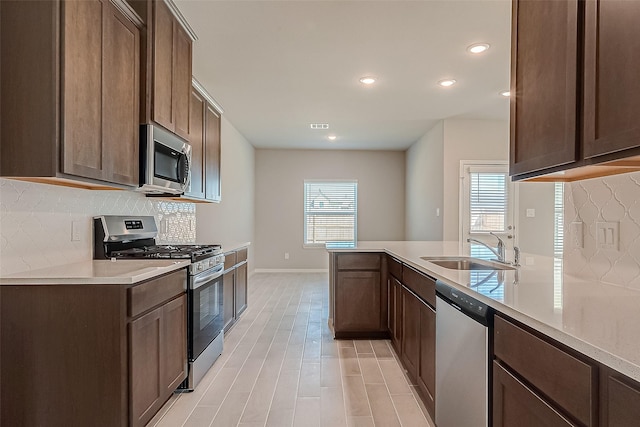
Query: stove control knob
x,y
199,267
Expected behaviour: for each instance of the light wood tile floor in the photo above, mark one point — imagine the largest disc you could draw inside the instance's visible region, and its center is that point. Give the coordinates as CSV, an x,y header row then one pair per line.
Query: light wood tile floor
x,y
281,367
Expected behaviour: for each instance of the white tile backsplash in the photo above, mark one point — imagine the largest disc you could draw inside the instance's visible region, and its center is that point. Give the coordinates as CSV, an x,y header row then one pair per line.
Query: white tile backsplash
x,y
615,200
35,222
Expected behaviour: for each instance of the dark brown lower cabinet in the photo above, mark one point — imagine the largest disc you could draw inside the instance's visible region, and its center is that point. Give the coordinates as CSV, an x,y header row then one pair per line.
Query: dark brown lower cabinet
x,y
410,332
427,366
418,346
228,281
357,301
241,289
145,354
395,313
619,400
566,379
174,318
91,355
515,404
158,361
235,281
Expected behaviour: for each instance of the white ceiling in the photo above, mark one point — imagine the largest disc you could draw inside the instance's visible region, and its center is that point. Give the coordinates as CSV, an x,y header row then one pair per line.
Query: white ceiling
x,y
276,66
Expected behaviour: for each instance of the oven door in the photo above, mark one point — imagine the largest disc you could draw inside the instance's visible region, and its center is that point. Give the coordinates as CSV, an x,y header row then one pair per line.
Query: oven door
x,y
205,310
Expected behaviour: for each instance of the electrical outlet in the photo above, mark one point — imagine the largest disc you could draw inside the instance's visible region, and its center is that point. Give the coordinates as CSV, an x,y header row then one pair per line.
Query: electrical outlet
x,y
531,213
75,231
608,235
286,255
437,211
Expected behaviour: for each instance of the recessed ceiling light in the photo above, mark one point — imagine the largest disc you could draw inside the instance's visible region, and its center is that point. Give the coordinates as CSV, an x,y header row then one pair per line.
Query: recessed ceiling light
x,y
506,93
332,137
367,80
478,47
447,82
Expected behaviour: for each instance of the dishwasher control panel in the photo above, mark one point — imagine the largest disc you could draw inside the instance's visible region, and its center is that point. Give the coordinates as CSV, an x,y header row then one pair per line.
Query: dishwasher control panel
x,y
463,302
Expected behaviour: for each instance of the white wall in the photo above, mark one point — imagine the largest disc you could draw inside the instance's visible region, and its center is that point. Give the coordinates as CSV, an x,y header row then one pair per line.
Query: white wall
x,y
425,186
232,220
280,176
468,140
535,234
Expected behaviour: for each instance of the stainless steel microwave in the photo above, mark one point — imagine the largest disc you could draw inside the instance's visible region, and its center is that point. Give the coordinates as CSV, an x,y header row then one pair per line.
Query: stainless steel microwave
x,y
165,161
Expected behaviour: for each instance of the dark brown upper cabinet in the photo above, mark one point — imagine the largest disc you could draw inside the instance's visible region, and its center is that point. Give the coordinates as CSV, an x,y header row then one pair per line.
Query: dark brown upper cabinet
x,y
70,92
575,95
167,54
204,137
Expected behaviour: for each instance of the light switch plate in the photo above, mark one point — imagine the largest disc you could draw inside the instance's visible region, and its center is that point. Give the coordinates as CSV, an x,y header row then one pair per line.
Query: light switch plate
x,y
75,231
608,235
531,213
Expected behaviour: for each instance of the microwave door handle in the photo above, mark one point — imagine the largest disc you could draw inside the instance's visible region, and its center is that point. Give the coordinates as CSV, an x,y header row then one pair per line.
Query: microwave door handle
x,y
200,280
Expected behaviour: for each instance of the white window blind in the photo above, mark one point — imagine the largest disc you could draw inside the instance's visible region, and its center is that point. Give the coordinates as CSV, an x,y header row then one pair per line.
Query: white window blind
x,y
330,212
488,203
558,245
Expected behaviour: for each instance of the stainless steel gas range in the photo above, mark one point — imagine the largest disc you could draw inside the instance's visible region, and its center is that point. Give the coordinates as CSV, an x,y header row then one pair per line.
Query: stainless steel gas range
x,y
133,237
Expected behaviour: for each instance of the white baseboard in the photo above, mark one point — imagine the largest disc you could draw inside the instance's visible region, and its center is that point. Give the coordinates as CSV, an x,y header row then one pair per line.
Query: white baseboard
x,y
291,270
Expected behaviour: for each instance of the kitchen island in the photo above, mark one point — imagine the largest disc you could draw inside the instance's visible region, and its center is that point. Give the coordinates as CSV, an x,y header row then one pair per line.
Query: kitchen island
x,y
579,319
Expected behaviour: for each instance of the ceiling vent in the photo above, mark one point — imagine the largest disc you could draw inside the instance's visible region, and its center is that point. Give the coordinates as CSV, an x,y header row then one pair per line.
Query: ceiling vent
x,y
319,126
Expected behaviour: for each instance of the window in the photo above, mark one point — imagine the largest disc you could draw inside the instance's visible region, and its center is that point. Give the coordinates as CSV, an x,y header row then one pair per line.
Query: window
x,y
487,201
488,204
330,212
558,245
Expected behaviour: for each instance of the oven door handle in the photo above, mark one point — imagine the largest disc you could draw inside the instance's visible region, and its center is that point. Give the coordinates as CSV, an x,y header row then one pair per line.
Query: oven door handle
x,y
200,280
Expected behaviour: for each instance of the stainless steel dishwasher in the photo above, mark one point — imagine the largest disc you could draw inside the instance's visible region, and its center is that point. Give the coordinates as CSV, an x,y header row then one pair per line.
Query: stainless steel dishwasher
x,y
462,359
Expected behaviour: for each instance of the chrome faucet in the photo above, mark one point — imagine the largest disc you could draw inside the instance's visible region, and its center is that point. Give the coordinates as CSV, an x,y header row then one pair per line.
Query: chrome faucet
x,y
499,252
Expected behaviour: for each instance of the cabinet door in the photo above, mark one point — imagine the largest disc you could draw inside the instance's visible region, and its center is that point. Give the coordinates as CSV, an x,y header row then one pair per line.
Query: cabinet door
x,y
395,314
241,289
611,84
544,85
212,154
145,355
410,332
120,99
196,139
427,365
227,299
181,84
357,301
174,344
514,404
621,401
82,87
162,104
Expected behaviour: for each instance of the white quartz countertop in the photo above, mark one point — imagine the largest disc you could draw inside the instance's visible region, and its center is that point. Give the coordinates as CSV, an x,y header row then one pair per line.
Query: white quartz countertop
x,y
235,246
595,318
96,272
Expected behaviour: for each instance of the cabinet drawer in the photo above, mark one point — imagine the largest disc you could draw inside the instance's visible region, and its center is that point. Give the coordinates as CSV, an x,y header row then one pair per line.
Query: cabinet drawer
x,y
359,261
423,286
241,255
568,381
154,292
395,267
229,260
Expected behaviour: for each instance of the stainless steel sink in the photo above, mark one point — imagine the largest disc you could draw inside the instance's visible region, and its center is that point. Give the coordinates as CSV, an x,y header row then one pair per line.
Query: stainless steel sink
x,y
466,263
